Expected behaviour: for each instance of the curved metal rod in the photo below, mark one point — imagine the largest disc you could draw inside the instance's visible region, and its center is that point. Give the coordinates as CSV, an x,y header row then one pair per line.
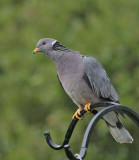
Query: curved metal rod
x,y
67,136
71,127
129,112
69,152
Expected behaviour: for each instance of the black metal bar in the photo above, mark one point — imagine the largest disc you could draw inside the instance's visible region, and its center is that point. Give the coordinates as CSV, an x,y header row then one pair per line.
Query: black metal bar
x,y
69,153
109,106
97,117
67,136
51,142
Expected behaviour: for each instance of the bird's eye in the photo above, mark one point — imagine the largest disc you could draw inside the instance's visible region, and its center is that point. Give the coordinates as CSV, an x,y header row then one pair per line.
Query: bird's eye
x,y
43,43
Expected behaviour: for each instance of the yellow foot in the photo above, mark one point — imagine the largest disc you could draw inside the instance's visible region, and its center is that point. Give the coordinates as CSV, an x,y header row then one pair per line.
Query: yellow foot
x,y
87,108
77,114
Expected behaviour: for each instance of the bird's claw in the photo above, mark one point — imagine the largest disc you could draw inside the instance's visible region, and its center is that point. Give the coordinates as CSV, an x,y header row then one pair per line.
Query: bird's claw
x,y
87,107
77,114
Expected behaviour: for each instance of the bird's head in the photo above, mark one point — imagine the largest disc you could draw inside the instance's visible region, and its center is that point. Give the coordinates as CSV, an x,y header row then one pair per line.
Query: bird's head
x,y
44,45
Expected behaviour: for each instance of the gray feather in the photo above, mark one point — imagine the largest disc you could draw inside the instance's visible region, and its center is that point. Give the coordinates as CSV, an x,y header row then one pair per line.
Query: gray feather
x,y
117,130
98,79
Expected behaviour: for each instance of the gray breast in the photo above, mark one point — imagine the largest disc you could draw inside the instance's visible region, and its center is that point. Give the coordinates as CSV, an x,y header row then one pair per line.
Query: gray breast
x,y
72,79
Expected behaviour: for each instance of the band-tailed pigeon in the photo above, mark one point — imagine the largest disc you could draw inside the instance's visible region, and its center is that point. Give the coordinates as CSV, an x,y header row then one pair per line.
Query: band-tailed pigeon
x,y
85,81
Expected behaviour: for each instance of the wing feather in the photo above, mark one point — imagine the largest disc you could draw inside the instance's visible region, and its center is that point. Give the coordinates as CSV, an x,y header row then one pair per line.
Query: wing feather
x,y
98,79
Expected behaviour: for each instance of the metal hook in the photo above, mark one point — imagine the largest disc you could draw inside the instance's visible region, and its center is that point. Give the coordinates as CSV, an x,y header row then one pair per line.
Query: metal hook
x,y
67,136
110,106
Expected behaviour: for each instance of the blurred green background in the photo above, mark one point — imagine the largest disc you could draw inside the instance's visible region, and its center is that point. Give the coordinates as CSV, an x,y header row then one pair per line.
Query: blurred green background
x,y
31,99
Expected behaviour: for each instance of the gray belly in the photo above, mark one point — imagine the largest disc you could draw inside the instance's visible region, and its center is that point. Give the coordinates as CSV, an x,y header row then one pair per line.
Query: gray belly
x,y
79,91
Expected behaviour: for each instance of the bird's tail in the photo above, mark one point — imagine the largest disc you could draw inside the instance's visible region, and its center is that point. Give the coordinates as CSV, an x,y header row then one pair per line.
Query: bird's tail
x,y
117,129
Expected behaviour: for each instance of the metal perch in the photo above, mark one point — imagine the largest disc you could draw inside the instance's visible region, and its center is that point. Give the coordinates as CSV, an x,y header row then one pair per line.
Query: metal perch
x,y
109,106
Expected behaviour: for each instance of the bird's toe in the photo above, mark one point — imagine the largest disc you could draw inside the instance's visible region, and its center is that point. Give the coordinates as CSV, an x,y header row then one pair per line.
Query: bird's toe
x,y
77,114
87,107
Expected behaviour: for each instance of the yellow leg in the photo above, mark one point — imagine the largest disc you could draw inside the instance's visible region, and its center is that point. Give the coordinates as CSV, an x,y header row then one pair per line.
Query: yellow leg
x,y
77,114
87,108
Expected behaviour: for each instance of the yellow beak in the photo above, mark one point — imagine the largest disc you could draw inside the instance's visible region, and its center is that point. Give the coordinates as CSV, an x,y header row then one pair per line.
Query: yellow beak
x,y
35,50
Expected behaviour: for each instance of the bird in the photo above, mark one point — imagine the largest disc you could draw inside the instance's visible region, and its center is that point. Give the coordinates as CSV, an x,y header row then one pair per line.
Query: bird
x,y
86,82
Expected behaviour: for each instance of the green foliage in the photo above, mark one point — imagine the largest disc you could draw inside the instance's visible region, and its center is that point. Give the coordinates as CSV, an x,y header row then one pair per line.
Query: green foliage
x,y
32,100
